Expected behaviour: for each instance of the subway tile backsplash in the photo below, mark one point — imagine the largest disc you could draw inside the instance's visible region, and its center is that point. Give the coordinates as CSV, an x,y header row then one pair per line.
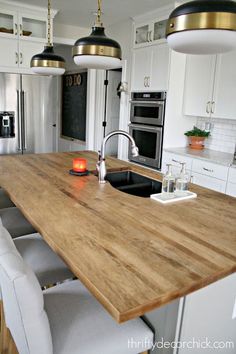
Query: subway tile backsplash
x,y
223,134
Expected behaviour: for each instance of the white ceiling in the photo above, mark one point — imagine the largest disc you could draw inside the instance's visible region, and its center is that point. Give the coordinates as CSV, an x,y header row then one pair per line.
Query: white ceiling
x,y
79,12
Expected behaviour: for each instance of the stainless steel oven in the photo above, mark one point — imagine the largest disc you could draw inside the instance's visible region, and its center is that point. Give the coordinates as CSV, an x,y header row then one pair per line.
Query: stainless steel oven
x,y
147,126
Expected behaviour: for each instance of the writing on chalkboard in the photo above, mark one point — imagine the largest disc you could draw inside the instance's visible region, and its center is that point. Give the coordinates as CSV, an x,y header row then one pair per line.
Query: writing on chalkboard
x,y
74,100
73,80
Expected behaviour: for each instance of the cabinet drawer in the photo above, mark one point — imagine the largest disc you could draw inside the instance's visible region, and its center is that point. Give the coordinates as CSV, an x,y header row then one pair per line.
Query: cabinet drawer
x,y
176,160
232,175
210,169
209,182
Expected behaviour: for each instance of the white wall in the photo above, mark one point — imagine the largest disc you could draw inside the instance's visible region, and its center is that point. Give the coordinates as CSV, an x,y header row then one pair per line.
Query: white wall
x,y
175,122
123,33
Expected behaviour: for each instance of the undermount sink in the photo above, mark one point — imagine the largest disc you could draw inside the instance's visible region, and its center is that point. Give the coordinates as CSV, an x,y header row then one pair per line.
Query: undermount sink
x,y
134,183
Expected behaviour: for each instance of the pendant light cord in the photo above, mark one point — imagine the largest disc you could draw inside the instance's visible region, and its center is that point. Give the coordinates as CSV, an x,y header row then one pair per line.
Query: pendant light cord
x,y
99,13
49,24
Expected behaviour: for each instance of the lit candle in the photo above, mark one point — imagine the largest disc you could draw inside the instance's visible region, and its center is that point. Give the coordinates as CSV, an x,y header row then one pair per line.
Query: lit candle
x,y
79,165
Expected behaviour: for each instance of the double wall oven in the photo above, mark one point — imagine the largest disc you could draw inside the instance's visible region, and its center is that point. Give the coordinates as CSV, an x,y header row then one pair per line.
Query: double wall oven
x,y
147,127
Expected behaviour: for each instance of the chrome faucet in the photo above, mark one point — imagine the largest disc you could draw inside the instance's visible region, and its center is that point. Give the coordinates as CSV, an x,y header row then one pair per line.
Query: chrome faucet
x,y
101,165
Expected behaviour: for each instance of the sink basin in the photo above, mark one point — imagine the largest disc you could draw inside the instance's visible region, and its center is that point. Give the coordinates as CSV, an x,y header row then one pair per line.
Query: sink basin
x,y
134,183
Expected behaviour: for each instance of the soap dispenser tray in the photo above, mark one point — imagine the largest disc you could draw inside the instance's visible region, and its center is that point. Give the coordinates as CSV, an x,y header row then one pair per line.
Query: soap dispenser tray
x,y
165,198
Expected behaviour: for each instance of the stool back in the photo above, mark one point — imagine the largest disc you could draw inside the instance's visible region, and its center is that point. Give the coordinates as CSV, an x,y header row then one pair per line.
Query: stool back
x,y
22,301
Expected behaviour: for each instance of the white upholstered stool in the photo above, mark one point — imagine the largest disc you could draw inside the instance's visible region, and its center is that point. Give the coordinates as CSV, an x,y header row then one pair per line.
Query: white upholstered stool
x,y
65,319
46,264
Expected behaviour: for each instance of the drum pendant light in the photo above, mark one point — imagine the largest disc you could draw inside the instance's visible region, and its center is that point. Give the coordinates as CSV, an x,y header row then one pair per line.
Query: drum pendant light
x,y
203,27
47,62
97,51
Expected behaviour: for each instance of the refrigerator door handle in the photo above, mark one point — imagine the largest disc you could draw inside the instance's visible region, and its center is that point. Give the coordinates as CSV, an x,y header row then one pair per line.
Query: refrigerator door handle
x,y
19,137
23,125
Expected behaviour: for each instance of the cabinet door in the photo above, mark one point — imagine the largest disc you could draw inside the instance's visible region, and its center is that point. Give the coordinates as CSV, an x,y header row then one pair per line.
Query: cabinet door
x,y
208,317
34,27
142,34
141,68
209,182
9,52
224,103
231,189
26,50
199,81
160,67
175,161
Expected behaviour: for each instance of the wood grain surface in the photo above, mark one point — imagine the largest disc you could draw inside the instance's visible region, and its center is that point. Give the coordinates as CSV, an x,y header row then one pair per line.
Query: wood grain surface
x,y
132,253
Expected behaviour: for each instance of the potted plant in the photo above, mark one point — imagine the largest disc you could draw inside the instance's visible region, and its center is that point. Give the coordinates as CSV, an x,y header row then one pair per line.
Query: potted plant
x,y
197,138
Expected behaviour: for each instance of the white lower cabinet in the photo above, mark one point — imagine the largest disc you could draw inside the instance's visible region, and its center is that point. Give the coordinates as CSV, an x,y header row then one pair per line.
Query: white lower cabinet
x,y
209,182
231,189
208,322
231,185
175,161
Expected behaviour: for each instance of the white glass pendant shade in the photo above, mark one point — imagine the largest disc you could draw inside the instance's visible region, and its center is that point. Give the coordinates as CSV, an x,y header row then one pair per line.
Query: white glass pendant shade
x,y
97,51
97,62
48,71
203,41
203,27
48,63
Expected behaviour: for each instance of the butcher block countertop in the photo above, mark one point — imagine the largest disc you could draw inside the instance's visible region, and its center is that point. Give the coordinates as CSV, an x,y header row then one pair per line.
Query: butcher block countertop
x,y
132,253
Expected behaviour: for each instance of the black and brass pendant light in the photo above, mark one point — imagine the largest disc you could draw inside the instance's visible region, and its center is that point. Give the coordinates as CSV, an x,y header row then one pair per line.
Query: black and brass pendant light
x,y
203,27
97,51
47,62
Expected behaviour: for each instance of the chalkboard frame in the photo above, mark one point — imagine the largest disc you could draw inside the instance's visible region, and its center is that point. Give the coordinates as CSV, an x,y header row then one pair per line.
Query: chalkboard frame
x,y
63,136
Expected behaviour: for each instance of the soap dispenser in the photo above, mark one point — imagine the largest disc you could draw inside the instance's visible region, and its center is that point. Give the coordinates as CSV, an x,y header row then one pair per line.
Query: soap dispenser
x,y
168,183
182,180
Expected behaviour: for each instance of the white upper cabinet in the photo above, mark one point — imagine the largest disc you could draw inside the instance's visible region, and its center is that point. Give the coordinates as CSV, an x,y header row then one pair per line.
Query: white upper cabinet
x,y
199,82
224,102
149,33
210,86
142,59
151,68
23,33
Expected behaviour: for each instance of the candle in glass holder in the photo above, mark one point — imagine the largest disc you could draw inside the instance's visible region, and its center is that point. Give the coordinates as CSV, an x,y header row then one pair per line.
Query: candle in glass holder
x,y
79,165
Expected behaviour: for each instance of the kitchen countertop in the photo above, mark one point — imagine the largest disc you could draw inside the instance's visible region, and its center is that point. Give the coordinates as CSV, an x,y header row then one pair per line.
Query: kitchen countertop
x,y
219,157
132,253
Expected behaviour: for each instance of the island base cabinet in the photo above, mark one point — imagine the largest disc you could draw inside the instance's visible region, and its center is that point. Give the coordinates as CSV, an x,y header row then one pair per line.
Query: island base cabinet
x,y
208,323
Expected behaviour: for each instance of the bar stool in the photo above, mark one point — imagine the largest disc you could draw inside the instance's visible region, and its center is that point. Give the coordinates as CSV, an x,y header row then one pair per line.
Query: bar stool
x,y
61,320
5,201
46,264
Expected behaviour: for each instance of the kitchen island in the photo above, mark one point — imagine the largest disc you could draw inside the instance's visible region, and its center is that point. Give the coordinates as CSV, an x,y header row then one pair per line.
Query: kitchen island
x,y
132,253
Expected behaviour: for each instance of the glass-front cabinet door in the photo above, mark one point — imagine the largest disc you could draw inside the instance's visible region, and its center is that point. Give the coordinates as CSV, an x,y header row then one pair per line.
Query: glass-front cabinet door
x,y
159,31
8,23
142,34
34,28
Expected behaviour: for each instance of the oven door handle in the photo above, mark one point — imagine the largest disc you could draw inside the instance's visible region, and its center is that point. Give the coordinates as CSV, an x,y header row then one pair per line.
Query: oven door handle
x,y
159,103
145,127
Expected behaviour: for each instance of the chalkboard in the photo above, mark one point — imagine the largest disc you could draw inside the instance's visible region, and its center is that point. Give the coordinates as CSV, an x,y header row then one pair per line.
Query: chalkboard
x,y
74,99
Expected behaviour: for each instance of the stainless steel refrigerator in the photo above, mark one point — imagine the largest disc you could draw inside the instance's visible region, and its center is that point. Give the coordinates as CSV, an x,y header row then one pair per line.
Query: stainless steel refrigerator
x,y
29,111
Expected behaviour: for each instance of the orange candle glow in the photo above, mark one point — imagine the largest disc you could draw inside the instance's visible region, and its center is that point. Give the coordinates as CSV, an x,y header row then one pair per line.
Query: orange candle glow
x,y
79,165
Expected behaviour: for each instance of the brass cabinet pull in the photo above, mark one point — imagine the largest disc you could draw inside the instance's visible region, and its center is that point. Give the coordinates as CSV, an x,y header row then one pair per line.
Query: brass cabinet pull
x,y
213,107
173,160
21,31
208,107
17,58
150,36
145,81
16,29
21,58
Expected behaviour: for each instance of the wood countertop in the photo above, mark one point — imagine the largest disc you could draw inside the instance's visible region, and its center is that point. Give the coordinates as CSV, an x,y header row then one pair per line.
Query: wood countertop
x,y
132,253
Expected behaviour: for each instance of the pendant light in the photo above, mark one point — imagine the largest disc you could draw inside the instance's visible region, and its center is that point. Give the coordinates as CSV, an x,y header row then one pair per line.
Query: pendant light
x,y
203,27
97,51
47,62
